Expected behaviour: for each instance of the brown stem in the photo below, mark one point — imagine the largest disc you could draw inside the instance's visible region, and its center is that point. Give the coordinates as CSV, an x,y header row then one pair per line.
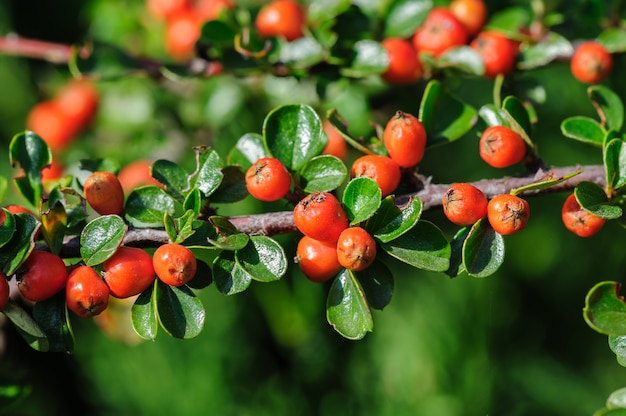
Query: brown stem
x,y
56,53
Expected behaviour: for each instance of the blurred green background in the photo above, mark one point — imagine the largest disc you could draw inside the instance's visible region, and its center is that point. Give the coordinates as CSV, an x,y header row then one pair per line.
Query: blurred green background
x,y
511,344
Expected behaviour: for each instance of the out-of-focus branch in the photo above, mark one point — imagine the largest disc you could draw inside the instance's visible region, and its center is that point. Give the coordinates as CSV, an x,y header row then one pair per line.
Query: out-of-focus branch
x,y
56,53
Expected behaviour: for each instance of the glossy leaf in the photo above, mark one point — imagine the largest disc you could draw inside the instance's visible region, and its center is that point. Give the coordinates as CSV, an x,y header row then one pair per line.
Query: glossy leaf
x,y
423,246
30,331
229,277
456,252
516,113
361,199
227,237
146,206
51,316
593,199
609,105
390,221
174,177
180,311
232,188
370,58
493,116
347,309
144,314
445,118
462,59
53,226
509,20
293,134
617,343
301,53
193,202
553,46
32,154
263,259
208,175
483,250
100,239
323,173
405,16
7,226
377,283
248,149
615,163
13,254
617,399
605,310
583,129
613,39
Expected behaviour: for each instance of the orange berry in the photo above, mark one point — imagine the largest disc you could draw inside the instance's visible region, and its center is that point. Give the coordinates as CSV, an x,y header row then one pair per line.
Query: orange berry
x,y
317,259
577,220
320,216
440,31
356,249
128,272
405,139
136,174
508,213
211,9
50,122
464,204
86,294
501,147
404,64
281,18
384,170
165,9
78,100
497,52
104,193
268,179
181,34
174,264
591,63
471,13
336,145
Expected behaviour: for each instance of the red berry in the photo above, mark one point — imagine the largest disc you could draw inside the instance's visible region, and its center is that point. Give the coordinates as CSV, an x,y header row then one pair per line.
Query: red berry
x,y
174,264
320,216
317,259
508,213
86,294
501,147
577,220
404,64
268,179
4,290
128,272
497,52
356,249
440,31
405,139
591,63
464,204
382,169
41,276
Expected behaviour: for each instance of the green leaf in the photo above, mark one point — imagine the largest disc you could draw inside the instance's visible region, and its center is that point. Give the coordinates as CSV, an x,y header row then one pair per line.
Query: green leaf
x,y
463,59
146,206
493,116
217,34
615,163
509,20
229,277
172,176
613,39
609,105
3,187
32,154
232,188
203,276
51,316
405,16
347,309
516,113
208,175
100,239
293,135
7,226
377,283
193,202
301,53
617,399
180,311
483,250
423,246
617,343
605,310
53,226
456,253
248,149
26,326
144,314
592,198
263,258
445,117
105,60
323,173
179,229
361,199
544,182
584,129
227,237
15,252
370,58
551,47
390,221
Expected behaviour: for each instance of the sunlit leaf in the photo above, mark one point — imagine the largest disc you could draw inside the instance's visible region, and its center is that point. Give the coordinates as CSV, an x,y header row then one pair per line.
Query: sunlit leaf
x,y
584,129
323,173
361,199
230,278
390,222
100,239
263,259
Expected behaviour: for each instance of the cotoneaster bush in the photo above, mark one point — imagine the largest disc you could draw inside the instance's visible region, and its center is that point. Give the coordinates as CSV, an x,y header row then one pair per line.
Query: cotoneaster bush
x,y
344,173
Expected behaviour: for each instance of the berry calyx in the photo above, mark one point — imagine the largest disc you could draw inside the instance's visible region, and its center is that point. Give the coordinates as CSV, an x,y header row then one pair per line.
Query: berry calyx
x,y
577,220
464,204
508,214
317,259
321,216
174,264
404,138
501,147
86,294
356,249
268,179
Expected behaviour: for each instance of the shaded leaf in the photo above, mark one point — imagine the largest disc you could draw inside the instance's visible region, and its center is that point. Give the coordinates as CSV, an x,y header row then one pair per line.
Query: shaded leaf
x,y
51,316
483,250
609,105
7,226
347,309
32,154
592,198
229,277
172,176
13,254
377,283
605,310
144,314
30,331
180,312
